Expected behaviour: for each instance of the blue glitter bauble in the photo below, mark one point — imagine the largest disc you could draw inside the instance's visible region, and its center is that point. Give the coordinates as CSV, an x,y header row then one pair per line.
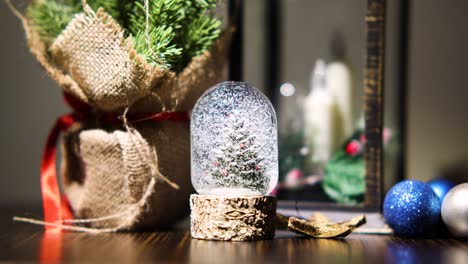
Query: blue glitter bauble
x,y
441,187
412,208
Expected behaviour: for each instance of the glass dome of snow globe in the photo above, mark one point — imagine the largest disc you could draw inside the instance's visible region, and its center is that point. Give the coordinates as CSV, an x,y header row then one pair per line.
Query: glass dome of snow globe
x,y
234,149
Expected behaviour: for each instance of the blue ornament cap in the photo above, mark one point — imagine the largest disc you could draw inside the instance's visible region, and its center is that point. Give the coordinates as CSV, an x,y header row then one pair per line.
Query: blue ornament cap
x,y
412,208
441,187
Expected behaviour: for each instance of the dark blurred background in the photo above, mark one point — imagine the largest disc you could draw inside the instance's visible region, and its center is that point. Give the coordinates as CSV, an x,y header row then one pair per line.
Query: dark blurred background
x,y
436,113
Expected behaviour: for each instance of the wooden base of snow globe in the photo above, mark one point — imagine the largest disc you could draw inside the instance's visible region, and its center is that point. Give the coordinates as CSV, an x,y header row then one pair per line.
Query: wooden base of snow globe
x,y
229,218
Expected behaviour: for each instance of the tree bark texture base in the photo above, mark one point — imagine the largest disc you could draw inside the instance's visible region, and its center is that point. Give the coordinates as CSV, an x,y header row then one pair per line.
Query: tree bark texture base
x,y
240,218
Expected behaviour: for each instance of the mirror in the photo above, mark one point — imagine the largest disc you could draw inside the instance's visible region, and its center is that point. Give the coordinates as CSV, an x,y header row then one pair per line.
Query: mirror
x,y
323,71
320,101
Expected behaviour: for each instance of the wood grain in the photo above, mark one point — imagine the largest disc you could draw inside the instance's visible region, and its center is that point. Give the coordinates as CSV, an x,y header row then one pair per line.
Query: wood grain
x,y
373,102
25,243
239,218
28,243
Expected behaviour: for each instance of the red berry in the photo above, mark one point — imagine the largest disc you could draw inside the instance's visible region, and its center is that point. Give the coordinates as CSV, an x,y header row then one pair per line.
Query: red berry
x,y
353,148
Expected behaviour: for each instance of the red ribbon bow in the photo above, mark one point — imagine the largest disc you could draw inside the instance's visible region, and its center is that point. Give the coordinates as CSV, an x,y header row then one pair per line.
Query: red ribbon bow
x,y
55,205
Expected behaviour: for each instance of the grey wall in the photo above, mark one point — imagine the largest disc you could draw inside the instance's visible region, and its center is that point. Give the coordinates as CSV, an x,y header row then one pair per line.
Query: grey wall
x,y
30,102
253,41
438,88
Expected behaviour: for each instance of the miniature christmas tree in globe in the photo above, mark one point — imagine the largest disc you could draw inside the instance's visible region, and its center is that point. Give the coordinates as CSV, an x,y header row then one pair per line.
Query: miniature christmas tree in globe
x,y
234,164
237,163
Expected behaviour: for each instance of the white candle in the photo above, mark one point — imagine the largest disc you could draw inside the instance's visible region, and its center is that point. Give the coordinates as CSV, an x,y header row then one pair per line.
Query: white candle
x,y
339,84
320,119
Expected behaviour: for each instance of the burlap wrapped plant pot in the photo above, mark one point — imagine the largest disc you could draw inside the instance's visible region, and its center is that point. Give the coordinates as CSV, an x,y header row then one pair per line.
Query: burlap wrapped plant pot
x,y
106,174
93,61
116,176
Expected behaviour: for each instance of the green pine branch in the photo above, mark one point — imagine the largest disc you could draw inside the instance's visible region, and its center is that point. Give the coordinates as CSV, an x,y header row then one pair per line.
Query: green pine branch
x,y
51,17
162,12
163,51
178,30
199,35
195,31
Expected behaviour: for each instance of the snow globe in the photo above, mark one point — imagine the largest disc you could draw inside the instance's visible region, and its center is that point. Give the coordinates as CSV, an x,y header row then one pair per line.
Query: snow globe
x,y
234,164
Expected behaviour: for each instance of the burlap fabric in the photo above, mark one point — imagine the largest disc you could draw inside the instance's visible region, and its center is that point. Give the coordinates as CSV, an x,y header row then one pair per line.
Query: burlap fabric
x,y
107,169
104,174
94,61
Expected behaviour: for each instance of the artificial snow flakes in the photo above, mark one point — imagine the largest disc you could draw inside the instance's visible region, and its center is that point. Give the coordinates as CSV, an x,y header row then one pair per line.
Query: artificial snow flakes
x,y
234,142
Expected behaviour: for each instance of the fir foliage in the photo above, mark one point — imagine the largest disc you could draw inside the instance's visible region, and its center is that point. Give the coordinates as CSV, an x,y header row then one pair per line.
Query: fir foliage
x,y
163,51
193,30
199,35
166,17
51,17
161,12
178,29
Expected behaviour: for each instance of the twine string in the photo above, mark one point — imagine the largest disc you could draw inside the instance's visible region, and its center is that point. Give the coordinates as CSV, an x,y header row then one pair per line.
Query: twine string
x,y
149,158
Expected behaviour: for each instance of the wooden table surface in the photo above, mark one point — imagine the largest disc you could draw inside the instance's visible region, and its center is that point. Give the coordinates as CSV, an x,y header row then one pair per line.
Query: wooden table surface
x,y
28,243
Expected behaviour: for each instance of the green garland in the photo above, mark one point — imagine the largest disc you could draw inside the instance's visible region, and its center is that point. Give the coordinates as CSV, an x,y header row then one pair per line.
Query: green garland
x,y
344,178
178,29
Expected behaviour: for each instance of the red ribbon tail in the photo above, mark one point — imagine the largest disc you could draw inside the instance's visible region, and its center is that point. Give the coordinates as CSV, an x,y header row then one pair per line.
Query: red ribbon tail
x,y
51,246
55,206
